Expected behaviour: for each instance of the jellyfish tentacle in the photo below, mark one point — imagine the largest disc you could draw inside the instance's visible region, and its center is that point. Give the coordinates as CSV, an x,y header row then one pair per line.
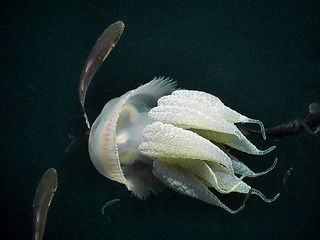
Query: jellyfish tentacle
x,y
233,141
261,195
200,169
263,152
265,171
192,118
168,141
240,168
184,182
247,197
218,106
250,120
231,189
189,113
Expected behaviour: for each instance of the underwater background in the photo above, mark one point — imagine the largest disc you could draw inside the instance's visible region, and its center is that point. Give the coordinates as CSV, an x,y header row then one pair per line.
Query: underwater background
x,y
261,58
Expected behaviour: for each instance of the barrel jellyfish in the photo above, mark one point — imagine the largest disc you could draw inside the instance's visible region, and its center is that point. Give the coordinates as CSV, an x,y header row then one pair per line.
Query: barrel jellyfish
x,y
157,136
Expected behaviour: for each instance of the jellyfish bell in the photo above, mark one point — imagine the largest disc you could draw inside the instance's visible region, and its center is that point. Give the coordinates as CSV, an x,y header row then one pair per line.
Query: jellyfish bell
x,y
117,132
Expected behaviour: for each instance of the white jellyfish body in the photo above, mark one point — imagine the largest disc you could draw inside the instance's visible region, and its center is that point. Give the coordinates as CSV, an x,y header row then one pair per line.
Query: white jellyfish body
x,y
117,132
153,137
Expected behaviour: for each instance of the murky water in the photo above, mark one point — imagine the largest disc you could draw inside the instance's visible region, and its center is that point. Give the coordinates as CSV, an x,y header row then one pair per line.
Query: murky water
x,y
260,58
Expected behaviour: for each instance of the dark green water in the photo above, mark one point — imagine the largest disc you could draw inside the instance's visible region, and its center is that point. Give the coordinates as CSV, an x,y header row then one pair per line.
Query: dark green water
x,y
262,58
